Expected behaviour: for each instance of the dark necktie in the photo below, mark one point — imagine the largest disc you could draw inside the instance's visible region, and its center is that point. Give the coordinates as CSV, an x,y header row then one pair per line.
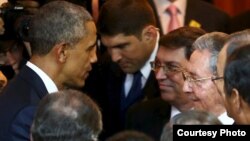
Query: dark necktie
x,y
135,93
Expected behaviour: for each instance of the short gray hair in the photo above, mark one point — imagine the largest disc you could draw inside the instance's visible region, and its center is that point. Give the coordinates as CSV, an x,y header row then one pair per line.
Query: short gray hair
x,y
56,22
213,42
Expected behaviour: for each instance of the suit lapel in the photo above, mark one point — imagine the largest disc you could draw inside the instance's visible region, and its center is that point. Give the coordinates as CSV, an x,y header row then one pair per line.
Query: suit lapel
x,y
151,88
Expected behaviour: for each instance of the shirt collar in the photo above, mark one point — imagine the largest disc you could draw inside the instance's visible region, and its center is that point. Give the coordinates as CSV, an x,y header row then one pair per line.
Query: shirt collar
x,y
174,111
48,82
225,119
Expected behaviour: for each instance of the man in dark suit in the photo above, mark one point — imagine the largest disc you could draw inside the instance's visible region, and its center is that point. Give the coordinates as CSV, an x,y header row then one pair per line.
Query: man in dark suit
x,y
240,22
151,116
195,13
61,58
127,30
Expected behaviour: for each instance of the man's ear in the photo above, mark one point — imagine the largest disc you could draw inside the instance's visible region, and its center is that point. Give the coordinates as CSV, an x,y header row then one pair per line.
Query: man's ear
x,y
61,52
149,33
235,100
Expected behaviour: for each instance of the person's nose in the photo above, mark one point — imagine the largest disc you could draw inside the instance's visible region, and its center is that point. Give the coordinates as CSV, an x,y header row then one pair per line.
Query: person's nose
x,y
160,74
115,54
93,57
187,87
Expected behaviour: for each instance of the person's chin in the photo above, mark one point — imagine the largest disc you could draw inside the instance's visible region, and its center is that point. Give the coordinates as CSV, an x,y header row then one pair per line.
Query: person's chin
x,y
127,68
86,76
167,96
198,105
166,88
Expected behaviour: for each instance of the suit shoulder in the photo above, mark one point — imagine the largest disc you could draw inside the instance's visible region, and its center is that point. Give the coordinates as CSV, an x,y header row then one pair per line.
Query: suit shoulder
x,y
205,7
148,107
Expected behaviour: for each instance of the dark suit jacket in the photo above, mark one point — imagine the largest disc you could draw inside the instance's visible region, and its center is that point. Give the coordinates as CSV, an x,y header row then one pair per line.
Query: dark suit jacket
x,y
210,18
149,117
105,86
18,102
240,22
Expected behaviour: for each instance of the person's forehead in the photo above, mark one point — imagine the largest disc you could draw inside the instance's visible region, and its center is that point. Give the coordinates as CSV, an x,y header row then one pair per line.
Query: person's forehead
x,y
173,56
199,57
115,40
169,53
199,60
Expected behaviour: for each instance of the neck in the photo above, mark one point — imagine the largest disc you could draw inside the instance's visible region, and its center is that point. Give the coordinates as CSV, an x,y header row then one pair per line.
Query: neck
x,y
184,106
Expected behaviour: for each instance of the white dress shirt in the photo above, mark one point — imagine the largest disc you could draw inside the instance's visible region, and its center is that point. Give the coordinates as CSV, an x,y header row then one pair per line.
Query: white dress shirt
x,y
225,120
174,111
48,82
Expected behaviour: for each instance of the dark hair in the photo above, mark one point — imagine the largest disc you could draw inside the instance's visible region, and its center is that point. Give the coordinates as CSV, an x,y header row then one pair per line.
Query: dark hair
x,y
130,135
237,72
182,37
127,17
56,22
67,115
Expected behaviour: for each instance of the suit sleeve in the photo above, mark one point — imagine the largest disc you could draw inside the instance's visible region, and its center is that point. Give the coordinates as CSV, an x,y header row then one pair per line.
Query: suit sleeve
x,y
20,128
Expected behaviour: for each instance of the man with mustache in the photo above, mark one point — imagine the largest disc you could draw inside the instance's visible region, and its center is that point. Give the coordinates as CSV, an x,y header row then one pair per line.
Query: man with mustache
x,y
201,76
174,50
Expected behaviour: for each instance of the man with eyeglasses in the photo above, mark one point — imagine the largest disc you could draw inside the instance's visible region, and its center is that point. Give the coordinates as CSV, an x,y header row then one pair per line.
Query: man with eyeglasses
x,y
201,75
174,49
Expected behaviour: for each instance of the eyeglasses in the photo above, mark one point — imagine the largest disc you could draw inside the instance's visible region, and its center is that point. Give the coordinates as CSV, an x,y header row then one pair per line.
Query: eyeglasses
x,y
198,81
166,68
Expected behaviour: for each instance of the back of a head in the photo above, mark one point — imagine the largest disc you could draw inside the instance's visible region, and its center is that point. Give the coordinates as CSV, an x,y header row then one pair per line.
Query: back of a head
x,y
67,115
192,117
56,22
236,40
237,72
128,17
130,135
182,37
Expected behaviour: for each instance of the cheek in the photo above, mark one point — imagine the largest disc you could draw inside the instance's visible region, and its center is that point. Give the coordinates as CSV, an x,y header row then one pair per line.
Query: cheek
x,y
179,79
82,57
202,93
